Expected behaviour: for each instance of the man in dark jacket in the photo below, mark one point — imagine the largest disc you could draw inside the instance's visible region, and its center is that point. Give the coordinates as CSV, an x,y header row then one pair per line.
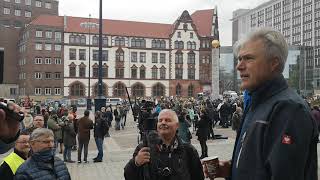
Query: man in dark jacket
x,y
277,138
42,165
169,160
20,153
84,124
100,129
69,138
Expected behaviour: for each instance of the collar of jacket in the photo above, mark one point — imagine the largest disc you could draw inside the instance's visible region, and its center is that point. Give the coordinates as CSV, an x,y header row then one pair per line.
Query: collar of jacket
x,y
267,90
19,153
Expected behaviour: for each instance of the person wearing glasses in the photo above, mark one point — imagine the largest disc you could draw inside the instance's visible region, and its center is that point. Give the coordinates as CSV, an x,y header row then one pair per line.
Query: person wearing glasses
x,y
20,153
42,164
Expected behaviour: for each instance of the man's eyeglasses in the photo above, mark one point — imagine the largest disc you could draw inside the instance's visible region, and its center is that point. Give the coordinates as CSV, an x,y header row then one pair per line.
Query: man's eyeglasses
x,y
45,142
22,142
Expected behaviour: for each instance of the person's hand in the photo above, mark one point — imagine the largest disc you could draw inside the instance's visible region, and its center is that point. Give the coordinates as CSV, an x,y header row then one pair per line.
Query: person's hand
x,y
9,127
143,156
223,170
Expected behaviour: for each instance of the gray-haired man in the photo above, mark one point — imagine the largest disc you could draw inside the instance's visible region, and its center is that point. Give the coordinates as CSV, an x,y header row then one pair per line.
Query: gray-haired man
x,y
42,164
277,138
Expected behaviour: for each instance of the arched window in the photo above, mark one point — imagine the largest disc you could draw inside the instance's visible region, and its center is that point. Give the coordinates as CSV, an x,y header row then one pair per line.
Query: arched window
x,y
83,39
158,90
178,90
154,72
72,70
119,89
189,45
119,41
162,72
119,55
104,89
190,90
138,90
142,72
105,41
77,39
95,40
176,44
72,39
77,89
191,57
179,57
134,72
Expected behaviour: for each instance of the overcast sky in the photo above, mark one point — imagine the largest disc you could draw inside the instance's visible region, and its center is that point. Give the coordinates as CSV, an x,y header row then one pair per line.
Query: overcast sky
x,y
159,11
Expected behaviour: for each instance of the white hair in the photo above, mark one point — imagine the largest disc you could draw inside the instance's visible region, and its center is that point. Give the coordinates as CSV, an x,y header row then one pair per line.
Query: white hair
x,y
174,114
274,42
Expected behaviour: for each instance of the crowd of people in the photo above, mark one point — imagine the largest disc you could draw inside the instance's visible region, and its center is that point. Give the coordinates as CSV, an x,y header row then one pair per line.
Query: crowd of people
x,y
277,132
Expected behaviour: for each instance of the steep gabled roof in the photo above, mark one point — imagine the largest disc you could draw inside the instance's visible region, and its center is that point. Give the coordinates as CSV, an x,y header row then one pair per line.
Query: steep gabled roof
x,y
203,20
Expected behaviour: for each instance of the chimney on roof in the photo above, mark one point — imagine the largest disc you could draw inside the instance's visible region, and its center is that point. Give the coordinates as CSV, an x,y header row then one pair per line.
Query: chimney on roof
x,y
65,22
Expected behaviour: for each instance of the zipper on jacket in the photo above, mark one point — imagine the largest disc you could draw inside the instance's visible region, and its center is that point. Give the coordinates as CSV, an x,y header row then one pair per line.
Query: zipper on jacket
x,y
242,139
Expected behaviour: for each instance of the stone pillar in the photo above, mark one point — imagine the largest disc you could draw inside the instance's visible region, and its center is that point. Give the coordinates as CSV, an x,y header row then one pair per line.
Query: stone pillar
x,y
215,69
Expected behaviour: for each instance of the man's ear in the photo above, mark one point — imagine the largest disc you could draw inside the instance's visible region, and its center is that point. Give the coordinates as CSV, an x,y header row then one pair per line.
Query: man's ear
x,y
275,63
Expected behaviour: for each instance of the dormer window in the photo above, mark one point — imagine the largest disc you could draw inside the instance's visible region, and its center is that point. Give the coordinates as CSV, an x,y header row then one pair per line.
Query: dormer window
x,y
185,27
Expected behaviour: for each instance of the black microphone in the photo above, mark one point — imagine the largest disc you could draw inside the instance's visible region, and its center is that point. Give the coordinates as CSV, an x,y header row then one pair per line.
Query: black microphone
x,y
10,113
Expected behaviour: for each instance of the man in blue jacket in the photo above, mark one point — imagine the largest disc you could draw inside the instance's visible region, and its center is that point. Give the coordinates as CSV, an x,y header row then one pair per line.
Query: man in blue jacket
x,y
277,139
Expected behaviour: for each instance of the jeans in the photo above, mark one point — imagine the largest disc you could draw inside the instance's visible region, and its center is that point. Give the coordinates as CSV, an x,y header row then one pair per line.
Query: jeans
x,y
81,145
99,143
67,153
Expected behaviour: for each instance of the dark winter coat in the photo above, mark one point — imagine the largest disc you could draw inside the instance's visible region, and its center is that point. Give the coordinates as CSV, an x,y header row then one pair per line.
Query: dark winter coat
x,y
100,127
203,127
280,141
85,124
69,136
184,163
37,170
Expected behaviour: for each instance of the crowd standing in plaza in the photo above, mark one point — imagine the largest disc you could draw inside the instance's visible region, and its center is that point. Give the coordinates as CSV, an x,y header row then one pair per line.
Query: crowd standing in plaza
x,y
277,132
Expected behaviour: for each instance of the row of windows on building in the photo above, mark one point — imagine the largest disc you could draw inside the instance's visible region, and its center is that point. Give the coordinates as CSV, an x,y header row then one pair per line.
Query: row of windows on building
x,y
42,75
82,55
37,3
49,35
40,60
77,89
156,73
179,90
47,47
135,42
17,12
47,91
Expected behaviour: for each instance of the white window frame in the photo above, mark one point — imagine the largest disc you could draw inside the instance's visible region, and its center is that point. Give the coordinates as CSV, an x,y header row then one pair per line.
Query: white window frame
x,y
57,36
48,5
38,4
17,12
38,46
57,47
39,34
47,60
28,2
6,10
27,14
48,47
17,1
37,91
37,60
37,75
57,91
47,91
57,61
49,34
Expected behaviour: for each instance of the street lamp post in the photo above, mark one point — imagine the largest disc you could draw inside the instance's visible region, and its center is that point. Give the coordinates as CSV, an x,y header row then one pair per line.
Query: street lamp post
x,y
89,103
100,100
215,86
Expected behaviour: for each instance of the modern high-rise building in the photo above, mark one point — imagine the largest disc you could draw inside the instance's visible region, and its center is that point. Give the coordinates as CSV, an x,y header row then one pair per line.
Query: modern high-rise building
x,y
298,20
15,15
59,56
